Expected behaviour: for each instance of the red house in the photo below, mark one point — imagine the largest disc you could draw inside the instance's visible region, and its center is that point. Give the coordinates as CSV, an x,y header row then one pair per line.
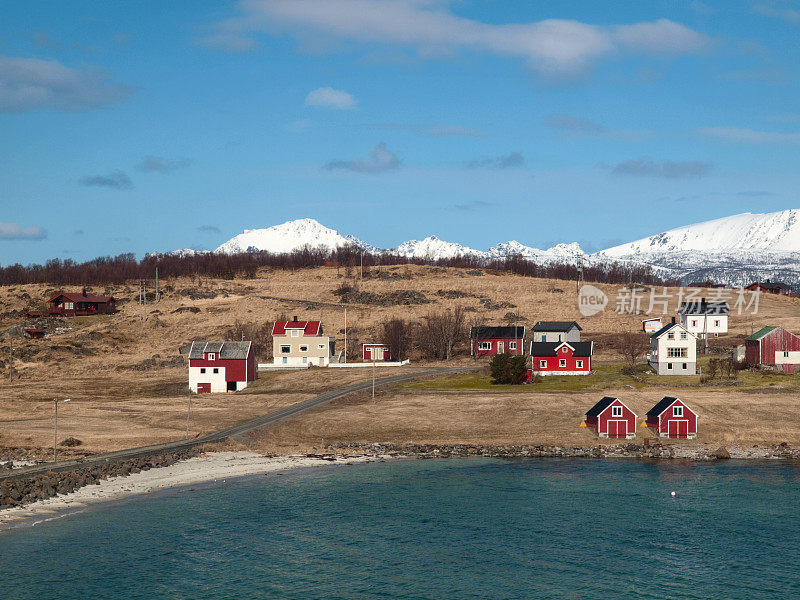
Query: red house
x,y
610,418
562,358
83,304
221,366
773,346
671,418
488,341
768,287
376,352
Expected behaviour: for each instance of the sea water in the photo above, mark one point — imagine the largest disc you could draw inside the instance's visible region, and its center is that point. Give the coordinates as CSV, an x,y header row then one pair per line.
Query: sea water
x,y
473,528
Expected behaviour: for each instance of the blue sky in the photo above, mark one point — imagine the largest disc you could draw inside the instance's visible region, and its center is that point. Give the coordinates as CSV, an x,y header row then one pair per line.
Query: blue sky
x,y
150,126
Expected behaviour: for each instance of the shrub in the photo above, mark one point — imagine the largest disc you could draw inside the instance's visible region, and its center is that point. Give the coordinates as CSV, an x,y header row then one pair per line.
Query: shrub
x,y
506,369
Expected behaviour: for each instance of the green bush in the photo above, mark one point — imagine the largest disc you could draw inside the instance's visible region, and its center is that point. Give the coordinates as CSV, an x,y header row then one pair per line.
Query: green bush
x,y
507,369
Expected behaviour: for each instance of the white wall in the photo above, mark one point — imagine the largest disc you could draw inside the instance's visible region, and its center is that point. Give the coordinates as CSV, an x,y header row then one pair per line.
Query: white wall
x,y
711,324
792,359
217,380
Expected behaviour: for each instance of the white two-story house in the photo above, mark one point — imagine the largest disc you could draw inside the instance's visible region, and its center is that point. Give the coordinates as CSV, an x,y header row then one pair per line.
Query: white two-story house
x,y
673,350
705,319
300,344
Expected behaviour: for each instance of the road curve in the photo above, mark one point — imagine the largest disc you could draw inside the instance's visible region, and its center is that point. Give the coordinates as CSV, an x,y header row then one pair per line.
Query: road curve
x,y
224,434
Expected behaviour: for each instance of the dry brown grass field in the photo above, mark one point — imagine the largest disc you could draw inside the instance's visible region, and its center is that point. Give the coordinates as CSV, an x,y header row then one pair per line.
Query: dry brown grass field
x,y
117,405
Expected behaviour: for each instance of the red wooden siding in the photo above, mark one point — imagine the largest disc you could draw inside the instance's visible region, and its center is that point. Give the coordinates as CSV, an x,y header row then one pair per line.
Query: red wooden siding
x,y
495,345
552,362
762,351
606,425
680,427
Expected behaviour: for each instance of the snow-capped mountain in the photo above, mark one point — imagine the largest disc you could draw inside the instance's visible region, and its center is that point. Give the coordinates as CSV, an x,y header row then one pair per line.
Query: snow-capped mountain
x,y
735,250
290,236
433,248
559,253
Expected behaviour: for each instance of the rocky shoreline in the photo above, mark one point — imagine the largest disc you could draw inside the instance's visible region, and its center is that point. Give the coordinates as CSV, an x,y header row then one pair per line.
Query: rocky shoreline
x,y
627,450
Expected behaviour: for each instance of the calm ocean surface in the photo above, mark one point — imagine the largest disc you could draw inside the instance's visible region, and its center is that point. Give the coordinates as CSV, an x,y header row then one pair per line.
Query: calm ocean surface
x,y
545,528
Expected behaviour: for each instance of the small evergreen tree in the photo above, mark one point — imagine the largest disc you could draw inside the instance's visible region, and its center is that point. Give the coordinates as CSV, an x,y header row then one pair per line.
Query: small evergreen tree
x,y
505,368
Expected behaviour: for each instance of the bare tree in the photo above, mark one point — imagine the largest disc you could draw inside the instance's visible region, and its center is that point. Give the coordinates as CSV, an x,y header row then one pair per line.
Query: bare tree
x,y
353,341
631,347
440,332
396,336
259,334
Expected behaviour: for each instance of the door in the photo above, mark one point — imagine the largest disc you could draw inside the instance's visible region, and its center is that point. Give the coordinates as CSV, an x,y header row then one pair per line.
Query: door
x,y
618,429
203,388
501,347
678,429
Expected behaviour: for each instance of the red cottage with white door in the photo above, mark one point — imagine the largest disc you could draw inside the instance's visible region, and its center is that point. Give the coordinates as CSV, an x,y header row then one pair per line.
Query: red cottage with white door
x,y
610,418
376,352
671,418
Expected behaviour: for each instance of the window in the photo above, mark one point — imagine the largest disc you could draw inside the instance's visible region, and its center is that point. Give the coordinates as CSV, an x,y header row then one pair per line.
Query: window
x,y
285,348
671,336
677,411
694,322
669,366
216,370
785,355
677,352
321,346
484,345
683,335
303,348
512,345
542,364
578,364
684,366
295,333
716,322
616,411
285,360
202,371
562,362
564,350
305,360
210,356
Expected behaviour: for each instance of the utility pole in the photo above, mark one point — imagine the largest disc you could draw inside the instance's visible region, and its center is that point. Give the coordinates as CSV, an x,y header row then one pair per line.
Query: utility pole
x,y
188,414
362,265
10,359
373,376
579,280
345,335
156,284
143,299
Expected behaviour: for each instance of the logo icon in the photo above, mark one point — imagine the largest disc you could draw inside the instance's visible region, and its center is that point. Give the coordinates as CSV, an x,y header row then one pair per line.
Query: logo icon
x,y
591,300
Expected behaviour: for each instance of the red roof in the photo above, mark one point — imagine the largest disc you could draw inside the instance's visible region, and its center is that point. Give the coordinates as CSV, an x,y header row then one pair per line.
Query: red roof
x,y
308,327
82,298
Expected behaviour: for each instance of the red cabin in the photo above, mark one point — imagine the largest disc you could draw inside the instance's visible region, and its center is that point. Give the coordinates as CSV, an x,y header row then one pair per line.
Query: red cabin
x,y
773,346
671,418
610,418
489,341
221,366
83,304
562,358
376,352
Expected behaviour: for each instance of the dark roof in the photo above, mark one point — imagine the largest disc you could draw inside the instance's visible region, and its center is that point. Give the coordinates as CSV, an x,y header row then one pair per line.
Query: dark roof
x,y
667,327
704,308
79,297
489,333
555,326
549,348
601,406
226,350
661,406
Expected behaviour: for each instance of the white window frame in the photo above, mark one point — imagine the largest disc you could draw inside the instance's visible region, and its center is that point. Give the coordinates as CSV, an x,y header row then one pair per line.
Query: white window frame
x,y
303,348
785,354
512,345
286,349
669,366
671,335
684,366
295,332
285,359
562,362
321,346
542,364
694,322
716,322
305,360
484,346
578,364
677,411
683,335
565,350
616,411
210,356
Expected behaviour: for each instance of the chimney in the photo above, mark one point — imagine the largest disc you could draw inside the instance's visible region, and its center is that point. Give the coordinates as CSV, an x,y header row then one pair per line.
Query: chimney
x,y
84,291
294,318
673,319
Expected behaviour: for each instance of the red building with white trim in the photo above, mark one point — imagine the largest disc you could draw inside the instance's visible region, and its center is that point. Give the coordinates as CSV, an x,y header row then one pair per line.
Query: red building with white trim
x,y
671,418
561,358
488,341
221,366
773,346
610,418
83,304
372,352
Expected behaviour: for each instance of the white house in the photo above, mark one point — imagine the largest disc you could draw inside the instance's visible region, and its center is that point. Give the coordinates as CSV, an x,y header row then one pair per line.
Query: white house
x,y
221,366
704,319
673,350
556,331
300,344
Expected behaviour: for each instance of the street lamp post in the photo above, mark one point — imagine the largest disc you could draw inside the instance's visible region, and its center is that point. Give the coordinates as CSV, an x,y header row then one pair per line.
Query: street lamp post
x,y
55,427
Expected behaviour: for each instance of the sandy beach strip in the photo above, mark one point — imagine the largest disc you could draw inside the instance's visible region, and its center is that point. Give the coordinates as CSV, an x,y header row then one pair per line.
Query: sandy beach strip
x,y
210,467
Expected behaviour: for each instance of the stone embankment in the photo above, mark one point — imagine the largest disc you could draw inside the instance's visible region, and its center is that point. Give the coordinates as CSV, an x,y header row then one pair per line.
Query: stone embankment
x,y
625,450
16,492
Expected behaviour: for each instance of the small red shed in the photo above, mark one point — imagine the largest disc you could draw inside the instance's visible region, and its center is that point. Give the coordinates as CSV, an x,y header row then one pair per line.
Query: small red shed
x,y
376,352
773,346
489,341
671,418
562,358
610,418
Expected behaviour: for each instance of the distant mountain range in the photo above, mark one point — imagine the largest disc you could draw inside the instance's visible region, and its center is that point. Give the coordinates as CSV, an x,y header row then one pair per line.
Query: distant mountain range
x,y
733,250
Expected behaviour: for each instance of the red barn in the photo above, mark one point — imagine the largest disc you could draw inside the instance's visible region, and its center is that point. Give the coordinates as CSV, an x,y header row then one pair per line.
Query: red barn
x,y
773,346
221,366
562,358
671,418
488,341
610,418
376,352
83,304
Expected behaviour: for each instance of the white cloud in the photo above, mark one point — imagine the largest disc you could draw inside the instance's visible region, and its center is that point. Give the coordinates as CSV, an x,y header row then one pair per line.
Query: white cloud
x,y
327,97
554,46
787,14
34,84
380,160
13,231
749,136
